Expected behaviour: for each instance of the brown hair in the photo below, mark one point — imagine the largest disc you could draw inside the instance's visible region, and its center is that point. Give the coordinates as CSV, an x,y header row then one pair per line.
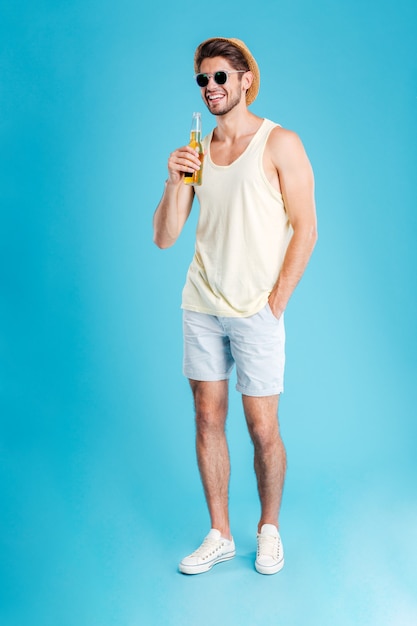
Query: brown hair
x,y
221,48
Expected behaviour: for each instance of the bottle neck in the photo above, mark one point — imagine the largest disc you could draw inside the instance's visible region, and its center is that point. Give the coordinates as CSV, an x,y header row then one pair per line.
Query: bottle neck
x,y
195,136
196,123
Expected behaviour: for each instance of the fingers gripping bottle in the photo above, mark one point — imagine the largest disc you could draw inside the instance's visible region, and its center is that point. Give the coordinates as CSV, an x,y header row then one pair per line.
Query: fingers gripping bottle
x,y
195,142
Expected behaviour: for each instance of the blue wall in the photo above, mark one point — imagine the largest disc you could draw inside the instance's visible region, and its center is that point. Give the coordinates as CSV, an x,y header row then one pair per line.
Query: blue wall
x,y
99,489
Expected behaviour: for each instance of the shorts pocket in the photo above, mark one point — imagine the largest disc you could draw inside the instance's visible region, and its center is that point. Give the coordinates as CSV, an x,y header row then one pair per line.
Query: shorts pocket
x,y
269,310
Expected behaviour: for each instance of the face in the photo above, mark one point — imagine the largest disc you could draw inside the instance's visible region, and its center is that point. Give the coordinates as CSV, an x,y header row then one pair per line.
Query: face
x,y
220,99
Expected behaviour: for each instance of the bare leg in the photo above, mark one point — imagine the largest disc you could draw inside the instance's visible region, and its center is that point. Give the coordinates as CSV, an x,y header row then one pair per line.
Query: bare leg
x,y
211,403
270,457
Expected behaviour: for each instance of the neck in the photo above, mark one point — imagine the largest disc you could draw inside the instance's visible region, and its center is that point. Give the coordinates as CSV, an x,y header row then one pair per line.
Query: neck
x,y
238,122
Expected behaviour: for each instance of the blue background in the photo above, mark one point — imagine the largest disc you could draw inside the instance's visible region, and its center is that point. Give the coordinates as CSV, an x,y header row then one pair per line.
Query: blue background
x,y
100,495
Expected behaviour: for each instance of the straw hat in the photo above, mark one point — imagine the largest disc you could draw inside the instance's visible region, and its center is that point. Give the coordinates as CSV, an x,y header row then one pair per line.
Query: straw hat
x,y
252,92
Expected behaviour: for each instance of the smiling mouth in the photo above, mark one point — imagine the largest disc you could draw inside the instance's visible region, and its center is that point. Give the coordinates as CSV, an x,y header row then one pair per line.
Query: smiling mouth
x,y
215,97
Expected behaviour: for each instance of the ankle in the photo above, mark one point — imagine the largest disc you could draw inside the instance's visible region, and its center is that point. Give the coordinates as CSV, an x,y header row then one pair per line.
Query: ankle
x,y
224,531
267,521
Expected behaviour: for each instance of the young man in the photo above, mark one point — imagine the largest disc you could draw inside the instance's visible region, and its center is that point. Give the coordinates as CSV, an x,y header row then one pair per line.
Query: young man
x,y
255,235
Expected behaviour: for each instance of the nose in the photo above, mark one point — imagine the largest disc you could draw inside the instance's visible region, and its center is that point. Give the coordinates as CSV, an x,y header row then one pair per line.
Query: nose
x,y
211,81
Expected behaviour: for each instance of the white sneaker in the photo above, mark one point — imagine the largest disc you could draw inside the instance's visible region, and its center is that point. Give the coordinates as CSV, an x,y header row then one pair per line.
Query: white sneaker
x,y
214,549
270,554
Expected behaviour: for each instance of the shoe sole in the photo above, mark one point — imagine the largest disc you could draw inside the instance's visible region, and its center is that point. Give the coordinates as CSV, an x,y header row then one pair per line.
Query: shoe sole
x,y
205,567
272,569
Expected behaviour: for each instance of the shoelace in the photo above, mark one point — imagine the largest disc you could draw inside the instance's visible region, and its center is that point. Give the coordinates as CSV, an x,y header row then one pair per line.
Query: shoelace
x,y
208,547
267,545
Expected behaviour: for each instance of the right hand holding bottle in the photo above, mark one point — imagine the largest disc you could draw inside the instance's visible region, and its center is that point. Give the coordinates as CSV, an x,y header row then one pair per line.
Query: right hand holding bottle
x,y
183,160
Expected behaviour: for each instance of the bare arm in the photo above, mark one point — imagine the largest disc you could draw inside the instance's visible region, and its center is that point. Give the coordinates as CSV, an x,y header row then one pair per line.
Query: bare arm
x,y
297,187
176,202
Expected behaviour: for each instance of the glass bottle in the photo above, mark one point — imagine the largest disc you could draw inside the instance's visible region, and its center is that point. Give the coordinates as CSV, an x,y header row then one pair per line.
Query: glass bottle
x,y
195,142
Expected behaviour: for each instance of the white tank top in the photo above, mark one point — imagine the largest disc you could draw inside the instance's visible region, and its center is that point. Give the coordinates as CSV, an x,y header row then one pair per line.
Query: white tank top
x,y
242,234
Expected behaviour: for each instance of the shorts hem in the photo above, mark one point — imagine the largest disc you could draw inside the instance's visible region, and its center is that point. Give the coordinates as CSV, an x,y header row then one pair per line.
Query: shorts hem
x,y
208,379
259,393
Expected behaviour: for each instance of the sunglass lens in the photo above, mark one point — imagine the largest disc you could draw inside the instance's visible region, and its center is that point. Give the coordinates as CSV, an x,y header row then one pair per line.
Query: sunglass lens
x,y
220,77
202,80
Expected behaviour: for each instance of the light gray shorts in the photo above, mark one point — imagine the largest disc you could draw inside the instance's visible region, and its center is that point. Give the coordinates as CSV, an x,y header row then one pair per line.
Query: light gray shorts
x,y
256,344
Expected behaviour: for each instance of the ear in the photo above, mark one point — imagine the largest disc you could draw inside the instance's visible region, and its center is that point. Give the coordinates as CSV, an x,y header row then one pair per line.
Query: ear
x,y
247,80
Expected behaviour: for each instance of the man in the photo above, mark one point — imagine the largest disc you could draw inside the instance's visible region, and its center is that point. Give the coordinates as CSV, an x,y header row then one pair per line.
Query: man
x,y
255,235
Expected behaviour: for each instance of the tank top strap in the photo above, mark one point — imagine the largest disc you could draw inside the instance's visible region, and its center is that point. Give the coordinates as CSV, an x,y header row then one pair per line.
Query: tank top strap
x,y
261,136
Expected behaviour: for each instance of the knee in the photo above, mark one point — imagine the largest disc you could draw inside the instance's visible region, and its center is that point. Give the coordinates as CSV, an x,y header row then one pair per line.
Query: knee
x,y
209,419
265,436
210,410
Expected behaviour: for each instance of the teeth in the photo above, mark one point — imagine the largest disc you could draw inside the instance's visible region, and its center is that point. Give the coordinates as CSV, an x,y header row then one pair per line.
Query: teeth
x,y
215,97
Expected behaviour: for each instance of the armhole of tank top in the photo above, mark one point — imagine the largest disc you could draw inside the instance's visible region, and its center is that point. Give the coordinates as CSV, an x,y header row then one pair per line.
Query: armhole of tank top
x,y
274,191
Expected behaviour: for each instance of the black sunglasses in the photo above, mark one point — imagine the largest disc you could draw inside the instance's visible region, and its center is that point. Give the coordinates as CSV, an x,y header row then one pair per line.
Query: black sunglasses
x,y
219,77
